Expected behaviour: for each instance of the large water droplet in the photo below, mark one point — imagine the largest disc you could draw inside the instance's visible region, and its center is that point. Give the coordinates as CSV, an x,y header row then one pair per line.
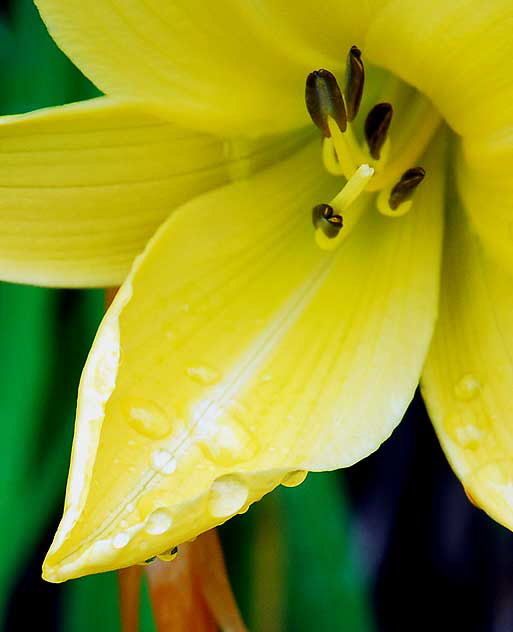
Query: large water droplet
x,y
228,494
203,374
467,387
158,522
120,540
163,461
148,418
295,478
228,442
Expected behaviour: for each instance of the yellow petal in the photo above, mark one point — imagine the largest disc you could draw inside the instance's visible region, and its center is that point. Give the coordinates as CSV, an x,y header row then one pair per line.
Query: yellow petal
x,y
84,186
486,188
227,67
458,53
238,352
468,378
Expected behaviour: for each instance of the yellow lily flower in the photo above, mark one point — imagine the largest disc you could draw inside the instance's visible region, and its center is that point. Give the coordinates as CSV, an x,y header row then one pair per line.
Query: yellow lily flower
x,y
246,346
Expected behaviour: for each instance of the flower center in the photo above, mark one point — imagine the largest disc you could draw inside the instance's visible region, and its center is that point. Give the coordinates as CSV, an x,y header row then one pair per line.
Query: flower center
x,y
374,161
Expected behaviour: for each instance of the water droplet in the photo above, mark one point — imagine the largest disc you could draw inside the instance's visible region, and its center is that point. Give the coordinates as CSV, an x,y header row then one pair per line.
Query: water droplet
x,y
228,442
168,556
120,540
295,478
123,523
464,429
468,436
130,507
228,494
148,418
467,388
158,522
203,374
163,461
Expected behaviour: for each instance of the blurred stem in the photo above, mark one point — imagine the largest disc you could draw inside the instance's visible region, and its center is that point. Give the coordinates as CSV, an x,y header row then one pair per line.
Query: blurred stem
x,y
268,561
130,597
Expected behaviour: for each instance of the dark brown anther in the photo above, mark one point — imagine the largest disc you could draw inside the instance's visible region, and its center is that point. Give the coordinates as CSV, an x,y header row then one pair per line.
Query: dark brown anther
x,y
376,127
323,217
406,186
355,78
323,98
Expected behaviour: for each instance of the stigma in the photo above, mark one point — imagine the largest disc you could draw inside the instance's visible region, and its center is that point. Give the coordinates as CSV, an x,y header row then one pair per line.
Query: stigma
x,y
381,162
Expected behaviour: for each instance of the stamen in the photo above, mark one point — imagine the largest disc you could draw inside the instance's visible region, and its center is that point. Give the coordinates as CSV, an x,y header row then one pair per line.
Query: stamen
x,y
349,153
355,77
396,201
324,100
376,127
411,138
330,158
328,237
406,186
324,218
345,152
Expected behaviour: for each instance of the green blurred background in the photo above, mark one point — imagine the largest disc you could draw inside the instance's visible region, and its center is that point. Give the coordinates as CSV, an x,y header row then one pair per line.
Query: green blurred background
x,y
390,545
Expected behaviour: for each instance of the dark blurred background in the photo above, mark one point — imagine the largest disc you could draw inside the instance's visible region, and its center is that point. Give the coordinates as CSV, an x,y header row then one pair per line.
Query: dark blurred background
x,y
391,544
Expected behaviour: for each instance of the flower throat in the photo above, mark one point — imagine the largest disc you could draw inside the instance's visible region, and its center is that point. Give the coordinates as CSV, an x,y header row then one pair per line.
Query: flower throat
x,y
374,165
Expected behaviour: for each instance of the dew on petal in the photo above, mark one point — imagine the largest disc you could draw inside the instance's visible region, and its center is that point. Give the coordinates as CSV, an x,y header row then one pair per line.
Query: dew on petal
x,y
464,429
168,556
229,442
468,436
148,418
295,478
158,522
163,461
228,495
120,540
203,374
467,387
